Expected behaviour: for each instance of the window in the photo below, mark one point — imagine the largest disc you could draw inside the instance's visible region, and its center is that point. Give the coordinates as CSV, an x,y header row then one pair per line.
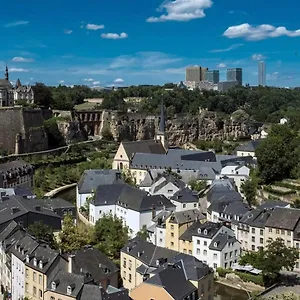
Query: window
x,y
282,232
297,245
26,273
204,252
40,279
253,239
129,277
230,254
215,256
198,242
130,264
40,294
26,287
172,227
190,252
288,233
215,266
289,243
235,252
34,290
261,232
297,265
172,234
34,276
160,240
184,205
226,254
205,243
198,251
172,244
124,274
184,250
253,248
270,229
261,240
52,298
253,230
277,231
124,262
195,204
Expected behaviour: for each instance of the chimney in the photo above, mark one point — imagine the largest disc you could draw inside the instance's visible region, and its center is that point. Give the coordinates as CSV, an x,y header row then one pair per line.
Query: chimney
x,y
153,211
70,263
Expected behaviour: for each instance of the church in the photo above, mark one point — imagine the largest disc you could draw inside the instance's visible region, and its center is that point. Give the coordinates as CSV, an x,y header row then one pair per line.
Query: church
x,y
10,95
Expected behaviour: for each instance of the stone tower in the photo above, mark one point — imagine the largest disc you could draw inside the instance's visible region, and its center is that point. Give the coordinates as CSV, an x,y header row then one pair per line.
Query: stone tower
x,y
161,135
6,73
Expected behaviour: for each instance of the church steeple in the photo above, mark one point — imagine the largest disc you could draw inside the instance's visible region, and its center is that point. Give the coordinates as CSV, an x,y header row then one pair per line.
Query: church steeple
x,y
161,135
6,73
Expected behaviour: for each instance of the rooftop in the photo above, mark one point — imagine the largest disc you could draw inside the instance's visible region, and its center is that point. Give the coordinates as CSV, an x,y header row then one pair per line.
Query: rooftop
x,y
186,216
221,240
251,146
185,196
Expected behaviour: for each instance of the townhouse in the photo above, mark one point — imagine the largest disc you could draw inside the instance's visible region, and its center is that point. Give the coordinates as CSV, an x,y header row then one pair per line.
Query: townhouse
x,y
185,199
177,223
136,207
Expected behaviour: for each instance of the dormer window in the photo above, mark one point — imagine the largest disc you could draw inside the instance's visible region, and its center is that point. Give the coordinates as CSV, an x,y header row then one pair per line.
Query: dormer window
x,y
40,264
35,262
69,290
27,258
205,232
215,244
199,230
53,286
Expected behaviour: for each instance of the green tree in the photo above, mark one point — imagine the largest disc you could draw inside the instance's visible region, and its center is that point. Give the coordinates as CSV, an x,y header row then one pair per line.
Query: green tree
x,y
143,233
107,135
71,238
42,95
43,232
197,185
249,188
272,259
110,235
128,178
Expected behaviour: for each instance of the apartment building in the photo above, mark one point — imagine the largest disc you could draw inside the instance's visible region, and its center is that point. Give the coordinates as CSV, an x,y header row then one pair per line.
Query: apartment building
x,y
177,223
185,199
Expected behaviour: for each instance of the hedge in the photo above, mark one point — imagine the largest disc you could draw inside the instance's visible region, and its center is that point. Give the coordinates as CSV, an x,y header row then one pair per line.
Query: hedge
x,y
246,277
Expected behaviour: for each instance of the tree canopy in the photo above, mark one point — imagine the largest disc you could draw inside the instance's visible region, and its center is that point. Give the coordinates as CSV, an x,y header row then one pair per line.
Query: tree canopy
x,y
248,188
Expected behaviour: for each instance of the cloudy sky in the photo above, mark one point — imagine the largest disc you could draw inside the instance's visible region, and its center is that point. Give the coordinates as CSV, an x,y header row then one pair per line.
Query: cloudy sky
x,y
124,42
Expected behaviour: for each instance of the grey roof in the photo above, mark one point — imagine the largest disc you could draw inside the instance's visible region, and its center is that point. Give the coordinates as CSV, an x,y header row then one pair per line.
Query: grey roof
x,y
10,241
283,218
94,292
23,247
44,254
129,197
186,216
63,280
8,230
14,165
173,279
251,146
270,204
93,261
163,180
91,179
185,196
148,253
221,240
229,206
21,191
145,146
55,203
206,230
5,84
256,218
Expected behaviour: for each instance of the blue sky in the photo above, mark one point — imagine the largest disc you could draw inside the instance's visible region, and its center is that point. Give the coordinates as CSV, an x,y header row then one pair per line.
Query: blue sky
x,y
99,43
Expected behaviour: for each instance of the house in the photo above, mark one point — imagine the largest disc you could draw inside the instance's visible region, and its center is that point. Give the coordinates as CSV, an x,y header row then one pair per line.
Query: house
x,y
16,173
18,191
238,172
60,206
27,211
187,278
91,262
136,207
214,244
177,223
91,179
141,261
40,265
248,149
185,199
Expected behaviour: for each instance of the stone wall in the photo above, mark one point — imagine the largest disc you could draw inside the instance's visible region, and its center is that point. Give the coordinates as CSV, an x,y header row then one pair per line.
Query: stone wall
x,y
25,126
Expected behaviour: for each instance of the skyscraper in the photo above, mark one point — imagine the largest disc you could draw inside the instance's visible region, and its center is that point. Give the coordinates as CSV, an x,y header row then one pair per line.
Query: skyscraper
x,y
235,74
213,76
262,73
195,73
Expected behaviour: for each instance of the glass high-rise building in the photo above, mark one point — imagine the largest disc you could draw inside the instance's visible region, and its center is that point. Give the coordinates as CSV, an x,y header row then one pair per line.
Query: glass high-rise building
x,y
235,74
213,76
262,73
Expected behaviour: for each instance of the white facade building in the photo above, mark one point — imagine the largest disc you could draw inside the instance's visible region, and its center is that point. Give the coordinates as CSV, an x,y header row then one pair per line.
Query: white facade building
x,y
17,278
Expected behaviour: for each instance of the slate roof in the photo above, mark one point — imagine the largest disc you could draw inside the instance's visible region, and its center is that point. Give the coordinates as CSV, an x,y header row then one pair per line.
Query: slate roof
x,y
93,292
163,180
283,218
206,230
64,279
55,203
185,196
172,278
12,165
221,240
21,191
91,179
24,246
251,146
148,253
256,218
146,146
186,216
270,204
10,241
129,197
93,261
8,230
5,84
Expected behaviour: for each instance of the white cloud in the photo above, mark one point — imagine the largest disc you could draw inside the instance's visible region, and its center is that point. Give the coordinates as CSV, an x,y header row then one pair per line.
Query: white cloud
x,y
94,26
256,33
22,59
61,81
221,65
182,10
68,31
119,80
235,46
18,70
96,82
88,79
17,23
257,56
114,36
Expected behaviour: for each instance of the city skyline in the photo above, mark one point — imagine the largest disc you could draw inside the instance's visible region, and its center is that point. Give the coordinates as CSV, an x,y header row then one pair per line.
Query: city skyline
x,y
99,45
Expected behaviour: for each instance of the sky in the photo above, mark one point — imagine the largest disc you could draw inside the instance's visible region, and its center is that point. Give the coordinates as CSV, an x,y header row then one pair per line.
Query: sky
x,y
131,42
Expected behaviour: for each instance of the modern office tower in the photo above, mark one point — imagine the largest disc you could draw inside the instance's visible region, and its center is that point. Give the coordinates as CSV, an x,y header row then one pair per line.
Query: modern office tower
x,y
213,76
195,73
235,74
262,73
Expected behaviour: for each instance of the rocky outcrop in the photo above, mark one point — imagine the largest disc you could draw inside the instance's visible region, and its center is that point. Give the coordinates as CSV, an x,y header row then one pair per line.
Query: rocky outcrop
x,y
72,131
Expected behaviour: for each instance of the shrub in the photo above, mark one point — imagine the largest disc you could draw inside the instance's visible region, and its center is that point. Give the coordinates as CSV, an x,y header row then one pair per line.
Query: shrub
x,y
257,279
222,272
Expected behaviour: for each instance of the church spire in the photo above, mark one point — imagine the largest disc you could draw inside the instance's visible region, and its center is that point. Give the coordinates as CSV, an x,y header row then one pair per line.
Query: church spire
x,y
6,73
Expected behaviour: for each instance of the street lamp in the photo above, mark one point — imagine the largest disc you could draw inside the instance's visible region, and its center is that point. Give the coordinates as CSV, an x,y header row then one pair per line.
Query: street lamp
x,y
249,295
